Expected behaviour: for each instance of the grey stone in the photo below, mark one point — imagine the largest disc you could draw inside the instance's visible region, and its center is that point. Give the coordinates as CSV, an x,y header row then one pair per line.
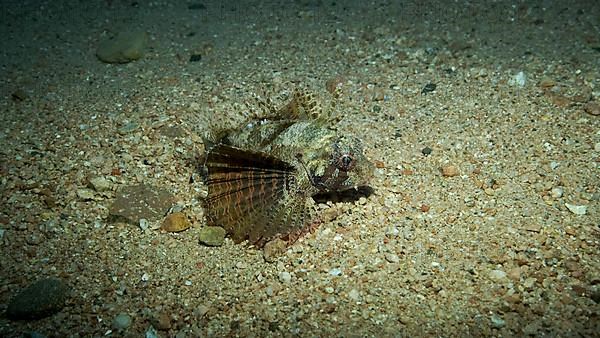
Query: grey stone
x,y
40,299
121,321
212,236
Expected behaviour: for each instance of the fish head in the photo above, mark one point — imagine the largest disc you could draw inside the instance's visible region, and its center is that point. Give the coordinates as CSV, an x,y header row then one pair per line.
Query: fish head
x,y
341,166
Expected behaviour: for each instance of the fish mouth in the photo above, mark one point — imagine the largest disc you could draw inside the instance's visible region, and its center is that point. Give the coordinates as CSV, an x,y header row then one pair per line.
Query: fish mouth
x,y
350,194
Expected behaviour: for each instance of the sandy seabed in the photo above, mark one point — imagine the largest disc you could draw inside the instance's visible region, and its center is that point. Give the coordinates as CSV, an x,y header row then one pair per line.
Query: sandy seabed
x,y
481,117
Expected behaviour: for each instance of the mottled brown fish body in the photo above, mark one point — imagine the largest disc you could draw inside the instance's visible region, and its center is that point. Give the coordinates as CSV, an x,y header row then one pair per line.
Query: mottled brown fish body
x,y
261,176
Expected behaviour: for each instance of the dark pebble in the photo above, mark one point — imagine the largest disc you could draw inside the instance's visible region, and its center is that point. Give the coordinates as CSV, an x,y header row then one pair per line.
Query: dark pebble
x,y
426,151
40,299
195,57
428,88
196,6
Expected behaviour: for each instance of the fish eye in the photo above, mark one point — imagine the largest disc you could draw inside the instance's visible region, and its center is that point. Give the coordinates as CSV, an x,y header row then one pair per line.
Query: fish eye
x,y
345,162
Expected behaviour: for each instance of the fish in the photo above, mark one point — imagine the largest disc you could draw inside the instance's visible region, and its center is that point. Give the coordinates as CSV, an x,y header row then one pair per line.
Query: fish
x,y
261,177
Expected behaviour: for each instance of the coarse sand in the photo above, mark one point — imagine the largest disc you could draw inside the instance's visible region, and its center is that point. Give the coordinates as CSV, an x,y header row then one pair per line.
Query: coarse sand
x,y
481,117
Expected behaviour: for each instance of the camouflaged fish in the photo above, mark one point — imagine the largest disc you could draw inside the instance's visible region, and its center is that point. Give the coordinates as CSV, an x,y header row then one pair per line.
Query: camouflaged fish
x,y
261,176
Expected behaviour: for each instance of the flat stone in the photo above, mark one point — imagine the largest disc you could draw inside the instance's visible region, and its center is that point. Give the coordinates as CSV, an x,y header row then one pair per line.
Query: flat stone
x,y
100,184
274,249
125,47
137,202
212,236
175,222
40,299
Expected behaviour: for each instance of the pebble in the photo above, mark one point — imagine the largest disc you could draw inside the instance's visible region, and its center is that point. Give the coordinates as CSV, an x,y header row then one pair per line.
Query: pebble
x,y
497,321
121,321
354,295
40,299
497,275
449,171
175,222
85,194
592,108
428,88
335,272
392,258
577,209
274,249
557,192
212,236
285,277
100,184
133,203
514,274
161,321
125,47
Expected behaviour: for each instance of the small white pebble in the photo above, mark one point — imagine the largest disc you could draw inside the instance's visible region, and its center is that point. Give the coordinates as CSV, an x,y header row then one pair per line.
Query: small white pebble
x,y
144,224
577,209
335,272
285,277
392,258
557,192
329,289
188,282
145,277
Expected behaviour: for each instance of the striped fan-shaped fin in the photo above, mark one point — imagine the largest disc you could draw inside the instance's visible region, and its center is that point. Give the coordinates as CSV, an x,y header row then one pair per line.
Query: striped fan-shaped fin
x,y
252,195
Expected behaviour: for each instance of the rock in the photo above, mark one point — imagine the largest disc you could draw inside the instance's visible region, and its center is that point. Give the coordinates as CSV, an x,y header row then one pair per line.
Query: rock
x,y
497,275
138,202
100,184
592,108
514,274
354,295
121,321
449,171
392,257
85,194
125,47
497,321
285,277
161,321
577,209
40,299
274,249
176,222
212,236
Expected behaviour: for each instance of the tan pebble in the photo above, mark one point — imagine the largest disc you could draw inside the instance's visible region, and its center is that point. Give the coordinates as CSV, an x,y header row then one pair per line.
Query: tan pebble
x,y
175,222
425,207
547,83
449,171
489,191
514,274
592,108
162,321
379,164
